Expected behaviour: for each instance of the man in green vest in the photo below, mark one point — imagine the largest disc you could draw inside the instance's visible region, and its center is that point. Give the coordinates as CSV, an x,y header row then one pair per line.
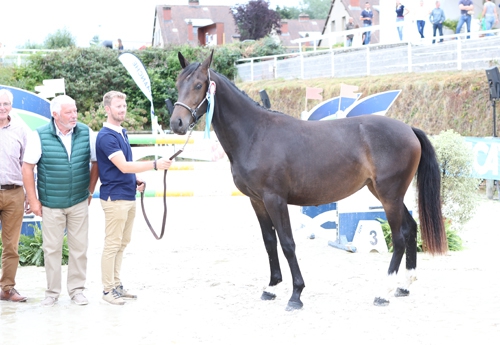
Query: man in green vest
x,y
64,153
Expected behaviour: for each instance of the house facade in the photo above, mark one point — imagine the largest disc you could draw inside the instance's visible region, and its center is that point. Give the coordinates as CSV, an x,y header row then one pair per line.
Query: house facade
x,y
193,24
292,29
198,24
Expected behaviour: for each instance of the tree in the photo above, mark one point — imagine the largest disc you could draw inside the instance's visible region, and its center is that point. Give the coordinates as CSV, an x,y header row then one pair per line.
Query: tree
x,y
288,12
32,45
95,41
255,19
317,9
62,38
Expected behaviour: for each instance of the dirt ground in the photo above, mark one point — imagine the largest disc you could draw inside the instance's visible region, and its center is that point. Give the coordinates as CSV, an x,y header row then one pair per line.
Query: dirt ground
x,y
201,284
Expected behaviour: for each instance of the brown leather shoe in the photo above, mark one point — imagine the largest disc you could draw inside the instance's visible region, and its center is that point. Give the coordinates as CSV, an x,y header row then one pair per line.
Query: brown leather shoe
x,y
12,296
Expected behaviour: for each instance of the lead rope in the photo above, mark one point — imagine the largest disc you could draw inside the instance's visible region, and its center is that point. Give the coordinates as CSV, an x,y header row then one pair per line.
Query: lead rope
x,y
164,195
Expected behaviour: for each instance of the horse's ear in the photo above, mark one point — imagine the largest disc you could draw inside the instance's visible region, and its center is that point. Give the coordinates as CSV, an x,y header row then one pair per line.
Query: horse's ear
x,y
182,60
208,61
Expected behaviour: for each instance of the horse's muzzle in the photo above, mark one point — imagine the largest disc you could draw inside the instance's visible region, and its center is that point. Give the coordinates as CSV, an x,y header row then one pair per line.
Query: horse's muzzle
x,y
178,126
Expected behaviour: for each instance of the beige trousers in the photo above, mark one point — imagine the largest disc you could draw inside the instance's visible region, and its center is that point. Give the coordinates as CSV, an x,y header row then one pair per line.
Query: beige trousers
x,y
76,221
119,218
11,217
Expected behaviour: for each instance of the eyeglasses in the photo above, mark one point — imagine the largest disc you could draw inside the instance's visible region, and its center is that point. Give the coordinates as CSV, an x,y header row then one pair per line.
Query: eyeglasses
x,y
5,105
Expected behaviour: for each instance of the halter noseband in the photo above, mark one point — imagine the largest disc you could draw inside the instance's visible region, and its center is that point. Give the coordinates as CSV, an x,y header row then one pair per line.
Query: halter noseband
x,y
195,110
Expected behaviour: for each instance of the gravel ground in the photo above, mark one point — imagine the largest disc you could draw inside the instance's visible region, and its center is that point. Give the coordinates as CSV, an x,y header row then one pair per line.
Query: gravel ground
x,y
201,284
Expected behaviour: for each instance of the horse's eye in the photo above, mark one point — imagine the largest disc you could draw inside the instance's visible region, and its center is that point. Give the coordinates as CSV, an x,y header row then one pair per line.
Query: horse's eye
x,y
198,86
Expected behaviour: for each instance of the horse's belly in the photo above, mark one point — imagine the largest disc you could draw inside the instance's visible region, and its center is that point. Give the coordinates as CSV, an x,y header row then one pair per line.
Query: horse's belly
x,y
324,193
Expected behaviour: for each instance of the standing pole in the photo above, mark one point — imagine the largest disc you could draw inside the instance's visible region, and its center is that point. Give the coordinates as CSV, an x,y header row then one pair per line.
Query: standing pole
x,y
494,104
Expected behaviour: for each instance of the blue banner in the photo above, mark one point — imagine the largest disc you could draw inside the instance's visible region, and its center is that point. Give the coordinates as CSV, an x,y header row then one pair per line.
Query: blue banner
x,y
486,153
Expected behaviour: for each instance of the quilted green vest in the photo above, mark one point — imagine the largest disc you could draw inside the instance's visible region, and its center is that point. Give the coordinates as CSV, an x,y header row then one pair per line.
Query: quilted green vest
x,y
62,183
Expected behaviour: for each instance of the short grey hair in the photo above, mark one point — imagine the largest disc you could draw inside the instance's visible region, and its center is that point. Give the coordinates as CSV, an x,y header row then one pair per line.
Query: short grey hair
x,y
8,93
57,102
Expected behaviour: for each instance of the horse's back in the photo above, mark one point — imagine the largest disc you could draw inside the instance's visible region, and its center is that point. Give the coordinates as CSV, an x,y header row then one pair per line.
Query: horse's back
x,y
326,161
359,135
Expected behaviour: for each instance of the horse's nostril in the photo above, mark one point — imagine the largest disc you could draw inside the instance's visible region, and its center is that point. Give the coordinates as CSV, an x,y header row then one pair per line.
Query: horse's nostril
x,y
180,122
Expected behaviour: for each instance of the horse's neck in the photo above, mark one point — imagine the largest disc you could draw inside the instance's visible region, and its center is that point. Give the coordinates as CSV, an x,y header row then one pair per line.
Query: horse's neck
x,y
235,117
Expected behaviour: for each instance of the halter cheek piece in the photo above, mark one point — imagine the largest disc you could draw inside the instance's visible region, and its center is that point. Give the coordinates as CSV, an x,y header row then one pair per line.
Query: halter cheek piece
x,y
195,110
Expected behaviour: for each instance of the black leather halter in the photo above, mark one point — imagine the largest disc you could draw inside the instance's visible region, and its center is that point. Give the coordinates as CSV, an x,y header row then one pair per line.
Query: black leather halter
x,y
194,111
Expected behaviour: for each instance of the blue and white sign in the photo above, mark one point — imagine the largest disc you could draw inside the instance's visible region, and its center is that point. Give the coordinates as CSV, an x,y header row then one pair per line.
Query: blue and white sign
x,y
31,108
486,157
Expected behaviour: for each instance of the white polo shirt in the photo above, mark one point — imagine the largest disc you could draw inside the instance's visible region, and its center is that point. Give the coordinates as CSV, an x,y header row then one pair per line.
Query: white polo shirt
x,y
34,146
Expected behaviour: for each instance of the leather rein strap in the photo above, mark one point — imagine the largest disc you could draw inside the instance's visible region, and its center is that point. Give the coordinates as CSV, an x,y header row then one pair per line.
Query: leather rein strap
x,y
164,196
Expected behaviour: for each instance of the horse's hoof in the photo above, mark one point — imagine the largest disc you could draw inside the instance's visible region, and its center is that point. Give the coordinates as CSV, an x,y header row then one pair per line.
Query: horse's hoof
x,y
294,305
267,296
380,302
401,292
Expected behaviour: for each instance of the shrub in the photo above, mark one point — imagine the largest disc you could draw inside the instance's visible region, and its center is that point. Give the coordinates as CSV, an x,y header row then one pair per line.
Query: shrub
x,y
91,72
134,121
454,240
31,252
458,188
451,24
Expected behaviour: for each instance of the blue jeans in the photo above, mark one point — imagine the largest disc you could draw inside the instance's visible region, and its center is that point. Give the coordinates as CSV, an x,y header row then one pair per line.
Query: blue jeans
x,y
489,21
464,18
400,28
437,27
420,27
367,34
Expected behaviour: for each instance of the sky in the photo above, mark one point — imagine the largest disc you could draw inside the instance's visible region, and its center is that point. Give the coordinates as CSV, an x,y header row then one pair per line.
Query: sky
x,y
33,20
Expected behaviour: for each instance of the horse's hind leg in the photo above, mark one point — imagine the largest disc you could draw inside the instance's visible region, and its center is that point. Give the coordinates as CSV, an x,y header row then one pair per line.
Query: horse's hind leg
x,y
271,244
409,230
394,211
404,230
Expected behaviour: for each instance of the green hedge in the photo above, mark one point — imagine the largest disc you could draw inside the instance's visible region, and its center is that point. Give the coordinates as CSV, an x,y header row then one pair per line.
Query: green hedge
x,y
91,72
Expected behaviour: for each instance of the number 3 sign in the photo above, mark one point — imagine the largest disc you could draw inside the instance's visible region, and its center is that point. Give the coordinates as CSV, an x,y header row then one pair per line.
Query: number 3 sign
x,y
369,237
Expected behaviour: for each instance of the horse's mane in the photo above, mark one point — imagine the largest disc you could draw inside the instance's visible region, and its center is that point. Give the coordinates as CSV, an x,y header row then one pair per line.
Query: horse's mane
x,y
231,84
190,69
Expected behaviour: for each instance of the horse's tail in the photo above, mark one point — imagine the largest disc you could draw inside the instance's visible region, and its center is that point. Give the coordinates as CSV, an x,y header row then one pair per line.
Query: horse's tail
x,y
429,198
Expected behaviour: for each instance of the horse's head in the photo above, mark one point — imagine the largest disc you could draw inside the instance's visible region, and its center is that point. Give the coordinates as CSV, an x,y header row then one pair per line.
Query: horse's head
x,y
192,85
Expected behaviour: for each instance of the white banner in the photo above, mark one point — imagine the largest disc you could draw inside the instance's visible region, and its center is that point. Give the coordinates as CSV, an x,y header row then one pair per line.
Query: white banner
x,y
137,71
139,74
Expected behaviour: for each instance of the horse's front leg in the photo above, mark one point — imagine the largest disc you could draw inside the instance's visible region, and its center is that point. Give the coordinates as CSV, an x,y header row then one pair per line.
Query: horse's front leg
x,y
277,209
271,244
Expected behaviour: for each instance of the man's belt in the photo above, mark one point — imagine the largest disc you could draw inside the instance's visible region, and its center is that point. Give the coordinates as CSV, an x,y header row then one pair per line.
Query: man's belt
x,y
8,186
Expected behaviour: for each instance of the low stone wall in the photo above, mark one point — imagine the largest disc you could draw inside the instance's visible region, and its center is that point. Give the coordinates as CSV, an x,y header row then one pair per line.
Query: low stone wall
x,y
432,101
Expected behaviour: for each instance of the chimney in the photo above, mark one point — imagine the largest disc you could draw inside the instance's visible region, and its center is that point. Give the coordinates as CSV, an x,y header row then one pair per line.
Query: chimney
x,y
190,31
193,3
284,27
303,17
167,13
354,3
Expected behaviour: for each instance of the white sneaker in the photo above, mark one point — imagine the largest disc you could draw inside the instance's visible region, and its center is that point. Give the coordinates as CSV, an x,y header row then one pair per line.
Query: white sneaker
x,y
49,302
125,293
80,299
113,297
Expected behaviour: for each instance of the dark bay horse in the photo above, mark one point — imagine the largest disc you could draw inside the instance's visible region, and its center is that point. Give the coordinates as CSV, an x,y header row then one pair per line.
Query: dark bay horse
x,y
278,160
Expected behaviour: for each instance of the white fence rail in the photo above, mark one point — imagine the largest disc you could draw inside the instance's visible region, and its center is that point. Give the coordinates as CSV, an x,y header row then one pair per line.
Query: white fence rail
x,y
455,53
19,56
